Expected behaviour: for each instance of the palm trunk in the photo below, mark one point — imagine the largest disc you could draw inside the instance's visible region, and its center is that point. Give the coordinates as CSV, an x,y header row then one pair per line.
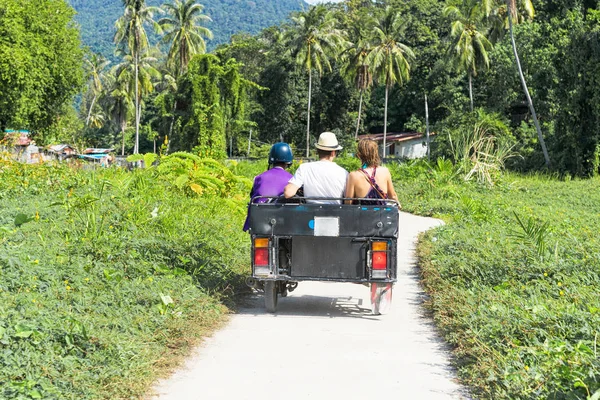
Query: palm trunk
x,y
136,147
525,89
359,113
123,143
308,113
385,120
139,118
172,118
471,89
427,128
87,120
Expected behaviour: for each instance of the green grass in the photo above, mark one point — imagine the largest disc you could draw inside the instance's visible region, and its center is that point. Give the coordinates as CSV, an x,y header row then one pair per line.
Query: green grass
x,y
107,278
514,279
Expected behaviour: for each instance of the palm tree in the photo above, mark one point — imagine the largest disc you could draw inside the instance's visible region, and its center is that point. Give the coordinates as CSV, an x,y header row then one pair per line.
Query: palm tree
x,y
314,39
515,11
389,57
356,67
183,31
185,34
136,78
120,108
96,68
131,38
470,47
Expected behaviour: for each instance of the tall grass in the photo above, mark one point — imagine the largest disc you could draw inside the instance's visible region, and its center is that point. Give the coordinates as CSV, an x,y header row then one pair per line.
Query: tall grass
x,y
480,150
111,276
513,278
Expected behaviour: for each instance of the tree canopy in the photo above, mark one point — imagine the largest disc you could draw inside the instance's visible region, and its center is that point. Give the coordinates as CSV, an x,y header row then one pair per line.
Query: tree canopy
x,y
41,62
262,83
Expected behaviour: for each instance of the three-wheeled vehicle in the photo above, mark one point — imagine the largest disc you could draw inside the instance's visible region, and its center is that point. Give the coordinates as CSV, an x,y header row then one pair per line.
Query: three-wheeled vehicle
x,y
311,241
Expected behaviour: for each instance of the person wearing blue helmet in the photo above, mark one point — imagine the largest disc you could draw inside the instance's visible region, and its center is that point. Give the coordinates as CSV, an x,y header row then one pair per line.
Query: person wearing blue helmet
x,y
272,182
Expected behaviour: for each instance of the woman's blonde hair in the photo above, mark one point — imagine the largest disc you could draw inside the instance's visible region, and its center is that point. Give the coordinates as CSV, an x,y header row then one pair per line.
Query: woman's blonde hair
x,y
368,152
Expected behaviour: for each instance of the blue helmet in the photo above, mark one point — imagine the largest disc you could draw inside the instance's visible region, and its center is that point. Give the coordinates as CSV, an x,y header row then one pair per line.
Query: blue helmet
x,y
281,153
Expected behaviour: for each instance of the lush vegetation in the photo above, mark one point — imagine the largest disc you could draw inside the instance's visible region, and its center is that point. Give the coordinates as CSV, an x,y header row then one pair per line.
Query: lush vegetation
x,y
108,277
332,68
40,64
513,278
351,67
96,19
113,270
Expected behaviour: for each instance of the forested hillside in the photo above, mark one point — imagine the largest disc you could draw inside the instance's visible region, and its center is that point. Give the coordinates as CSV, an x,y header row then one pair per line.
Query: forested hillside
x,y
97,18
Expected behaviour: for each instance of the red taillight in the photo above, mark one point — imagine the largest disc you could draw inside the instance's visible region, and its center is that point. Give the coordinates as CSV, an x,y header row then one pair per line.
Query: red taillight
x,y
261,251
379,260
261,257
379,255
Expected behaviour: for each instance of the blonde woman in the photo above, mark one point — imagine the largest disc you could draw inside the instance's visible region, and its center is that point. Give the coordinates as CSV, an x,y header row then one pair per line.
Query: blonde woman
x,y
372,181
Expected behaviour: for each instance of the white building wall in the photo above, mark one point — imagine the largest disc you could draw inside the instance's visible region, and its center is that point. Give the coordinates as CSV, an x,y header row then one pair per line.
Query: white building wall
x,y
411,149
415,148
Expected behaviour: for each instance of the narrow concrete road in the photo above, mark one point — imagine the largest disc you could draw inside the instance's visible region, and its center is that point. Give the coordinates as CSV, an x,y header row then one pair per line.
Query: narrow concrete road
x,y
323,343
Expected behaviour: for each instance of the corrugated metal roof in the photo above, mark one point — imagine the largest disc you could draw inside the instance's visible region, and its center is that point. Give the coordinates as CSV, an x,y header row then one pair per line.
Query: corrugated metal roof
x,y
97,151
395,136
59,148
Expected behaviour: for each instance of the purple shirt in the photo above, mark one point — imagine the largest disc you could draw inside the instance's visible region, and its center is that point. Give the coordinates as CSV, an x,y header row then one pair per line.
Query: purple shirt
x,y
269,183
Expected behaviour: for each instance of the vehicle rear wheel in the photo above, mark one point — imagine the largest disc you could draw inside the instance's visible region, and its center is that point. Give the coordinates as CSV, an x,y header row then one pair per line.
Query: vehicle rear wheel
x,y
381,298
271,296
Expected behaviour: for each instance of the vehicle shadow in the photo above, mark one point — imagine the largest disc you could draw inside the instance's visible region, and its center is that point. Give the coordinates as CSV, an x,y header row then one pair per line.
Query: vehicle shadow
x,y
310,306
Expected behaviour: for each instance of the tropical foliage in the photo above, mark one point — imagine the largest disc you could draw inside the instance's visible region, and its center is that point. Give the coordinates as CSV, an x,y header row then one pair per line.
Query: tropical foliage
x,y
41,63
105,281
512,278
97,17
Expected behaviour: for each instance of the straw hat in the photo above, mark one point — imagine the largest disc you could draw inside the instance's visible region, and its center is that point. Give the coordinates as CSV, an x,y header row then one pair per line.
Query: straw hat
x,y
328,142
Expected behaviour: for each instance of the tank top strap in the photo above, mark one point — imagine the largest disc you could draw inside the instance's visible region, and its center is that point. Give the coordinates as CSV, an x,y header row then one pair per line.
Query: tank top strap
x,y
373,176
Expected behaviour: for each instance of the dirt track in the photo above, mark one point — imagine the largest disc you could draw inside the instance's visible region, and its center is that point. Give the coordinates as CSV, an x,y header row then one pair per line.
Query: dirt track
x,y
323,343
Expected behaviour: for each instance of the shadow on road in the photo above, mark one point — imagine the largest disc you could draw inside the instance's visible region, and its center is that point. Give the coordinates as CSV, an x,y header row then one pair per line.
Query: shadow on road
x,y
310,306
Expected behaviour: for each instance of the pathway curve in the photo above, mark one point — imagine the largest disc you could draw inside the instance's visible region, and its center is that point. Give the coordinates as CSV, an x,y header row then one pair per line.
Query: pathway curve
x,y
323,343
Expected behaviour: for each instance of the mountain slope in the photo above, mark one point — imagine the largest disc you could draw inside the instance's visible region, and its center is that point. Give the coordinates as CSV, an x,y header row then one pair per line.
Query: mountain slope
x,y
97,18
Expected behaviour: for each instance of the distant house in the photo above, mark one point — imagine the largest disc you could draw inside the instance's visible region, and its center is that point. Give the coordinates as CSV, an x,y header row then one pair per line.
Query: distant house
x,y
16,137
409,145
101,156
60,151
16,142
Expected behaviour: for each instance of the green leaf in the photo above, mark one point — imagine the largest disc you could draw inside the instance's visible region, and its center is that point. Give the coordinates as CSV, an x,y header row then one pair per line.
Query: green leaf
x,y
21,219
149,159
23,334
2,330
166,300
23,331
34,394
135,157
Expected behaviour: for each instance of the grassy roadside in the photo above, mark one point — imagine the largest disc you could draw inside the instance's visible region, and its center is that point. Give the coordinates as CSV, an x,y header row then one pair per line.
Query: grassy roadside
x,y
108,278
513,279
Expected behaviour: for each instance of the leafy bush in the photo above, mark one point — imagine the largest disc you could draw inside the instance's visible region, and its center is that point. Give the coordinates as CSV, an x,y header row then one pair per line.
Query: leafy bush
x,y
106,277
513,279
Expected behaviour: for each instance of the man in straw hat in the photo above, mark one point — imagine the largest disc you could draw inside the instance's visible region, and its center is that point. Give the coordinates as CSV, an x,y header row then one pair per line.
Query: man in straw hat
x,y
322,178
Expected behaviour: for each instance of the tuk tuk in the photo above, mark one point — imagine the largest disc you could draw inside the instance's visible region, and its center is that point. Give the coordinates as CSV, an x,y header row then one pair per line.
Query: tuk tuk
x,y
310,241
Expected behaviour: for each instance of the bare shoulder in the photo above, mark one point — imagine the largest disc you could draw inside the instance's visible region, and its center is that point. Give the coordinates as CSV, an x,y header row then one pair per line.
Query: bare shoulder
x,y
383,170
354,175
